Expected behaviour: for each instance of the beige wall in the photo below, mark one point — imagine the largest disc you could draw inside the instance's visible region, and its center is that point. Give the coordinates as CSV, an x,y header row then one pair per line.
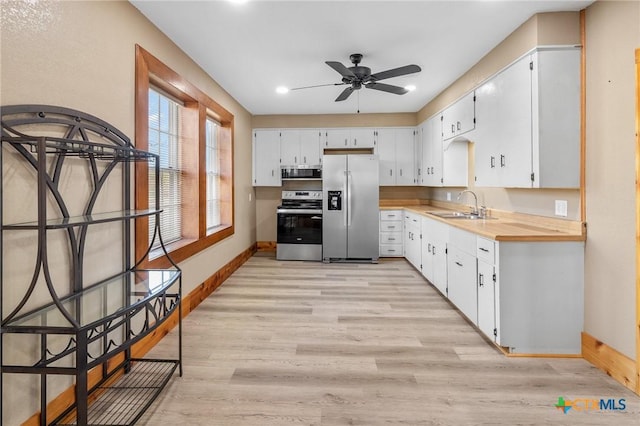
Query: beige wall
x,y
612,35
81,55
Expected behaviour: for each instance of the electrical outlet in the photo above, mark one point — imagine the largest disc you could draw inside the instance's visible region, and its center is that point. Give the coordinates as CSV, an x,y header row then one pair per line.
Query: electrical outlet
x,y
448,196
561,208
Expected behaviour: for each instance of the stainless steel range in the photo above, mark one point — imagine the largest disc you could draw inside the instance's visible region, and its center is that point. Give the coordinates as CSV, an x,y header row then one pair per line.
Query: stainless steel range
x,y
300,226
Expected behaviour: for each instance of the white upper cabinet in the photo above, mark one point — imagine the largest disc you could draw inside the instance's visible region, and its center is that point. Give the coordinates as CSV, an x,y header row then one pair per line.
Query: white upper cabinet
x,y
387,156
396,151
266,158
290,147
310,151
443,163
503,137
356,137
459,118
528,133
405,156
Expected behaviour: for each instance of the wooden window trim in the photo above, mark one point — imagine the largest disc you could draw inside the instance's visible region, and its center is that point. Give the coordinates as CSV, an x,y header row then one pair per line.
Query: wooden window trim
x,y
151,71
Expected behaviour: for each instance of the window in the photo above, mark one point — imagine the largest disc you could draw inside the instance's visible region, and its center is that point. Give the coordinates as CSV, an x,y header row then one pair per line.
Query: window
x,y
164,115
213,176
193,135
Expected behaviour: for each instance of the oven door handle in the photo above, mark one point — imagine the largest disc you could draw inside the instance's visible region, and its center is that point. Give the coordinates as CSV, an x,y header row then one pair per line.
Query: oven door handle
x,y
316,217
299,211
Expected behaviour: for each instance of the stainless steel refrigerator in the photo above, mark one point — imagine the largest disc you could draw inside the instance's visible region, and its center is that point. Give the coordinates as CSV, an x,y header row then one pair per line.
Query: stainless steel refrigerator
x,y
350,213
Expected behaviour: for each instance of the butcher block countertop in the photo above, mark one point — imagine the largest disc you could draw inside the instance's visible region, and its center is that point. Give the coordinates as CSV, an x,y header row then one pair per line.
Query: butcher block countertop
x,y
501,225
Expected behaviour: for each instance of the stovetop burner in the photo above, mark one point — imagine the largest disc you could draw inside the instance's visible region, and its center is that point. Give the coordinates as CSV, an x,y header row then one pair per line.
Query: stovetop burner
x,y
301,200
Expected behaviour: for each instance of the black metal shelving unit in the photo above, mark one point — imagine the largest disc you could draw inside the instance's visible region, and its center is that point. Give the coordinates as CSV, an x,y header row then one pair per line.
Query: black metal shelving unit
x,y
98,321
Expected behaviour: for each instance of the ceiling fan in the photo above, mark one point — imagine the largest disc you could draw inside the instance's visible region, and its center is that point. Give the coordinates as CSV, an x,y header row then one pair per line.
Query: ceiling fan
x,y
359,76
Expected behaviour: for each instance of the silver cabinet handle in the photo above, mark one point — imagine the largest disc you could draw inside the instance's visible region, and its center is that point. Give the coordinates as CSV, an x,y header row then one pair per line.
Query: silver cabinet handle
x,y
391,226
459,126
272,171
295,159
502,162
484,249
433,250
493,162
345,142
429,247
390,172
400,172
391,239
355,141
458,263
480,280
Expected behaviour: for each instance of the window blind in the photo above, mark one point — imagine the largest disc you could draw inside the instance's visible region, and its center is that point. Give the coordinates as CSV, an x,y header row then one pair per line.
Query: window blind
x,y
213,174
164,140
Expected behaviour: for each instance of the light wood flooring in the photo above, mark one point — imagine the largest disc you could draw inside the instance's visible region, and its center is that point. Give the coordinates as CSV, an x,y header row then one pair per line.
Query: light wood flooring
x,y
307,343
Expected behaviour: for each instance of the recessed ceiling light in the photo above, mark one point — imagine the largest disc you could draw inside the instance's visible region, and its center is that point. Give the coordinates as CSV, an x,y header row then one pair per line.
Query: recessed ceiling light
x,y
282,90
410,87
237,1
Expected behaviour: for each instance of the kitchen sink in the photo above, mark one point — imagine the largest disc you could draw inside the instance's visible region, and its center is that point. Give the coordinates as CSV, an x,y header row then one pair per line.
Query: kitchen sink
x,y
456,215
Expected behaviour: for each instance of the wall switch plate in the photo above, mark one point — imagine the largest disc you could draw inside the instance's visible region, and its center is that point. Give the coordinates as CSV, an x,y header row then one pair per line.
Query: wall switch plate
x,y
561,208
448,196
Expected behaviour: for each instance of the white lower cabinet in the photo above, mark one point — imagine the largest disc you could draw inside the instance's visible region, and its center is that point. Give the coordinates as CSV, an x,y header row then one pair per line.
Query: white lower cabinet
x,y
539,296
461,273
391,225
435,236
412,231
486,287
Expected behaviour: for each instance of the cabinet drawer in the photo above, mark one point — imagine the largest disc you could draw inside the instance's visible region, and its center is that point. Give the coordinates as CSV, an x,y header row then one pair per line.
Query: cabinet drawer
x,y
485,250
390,250
391,226
391,238
390,215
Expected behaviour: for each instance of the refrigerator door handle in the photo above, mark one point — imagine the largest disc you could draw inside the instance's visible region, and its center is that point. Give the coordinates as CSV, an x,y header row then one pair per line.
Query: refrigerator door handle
x,y
349,177
345,195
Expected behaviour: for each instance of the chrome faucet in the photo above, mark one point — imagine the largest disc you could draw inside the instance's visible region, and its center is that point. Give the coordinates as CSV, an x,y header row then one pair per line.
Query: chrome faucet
x,y
475,197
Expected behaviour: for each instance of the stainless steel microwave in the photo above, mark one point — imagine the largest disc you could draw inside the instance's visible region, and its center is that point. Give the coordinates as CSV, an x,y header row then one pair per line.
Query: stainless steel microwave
x,y
301,172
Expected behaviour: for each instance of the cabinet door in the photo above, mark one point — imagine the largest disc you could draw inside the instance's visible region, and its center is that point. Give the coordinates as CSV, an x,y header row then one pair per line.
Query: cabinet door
x,y
439,255
488,133
503,140
434,141
462,289
486,299
387,156
290,147
266,158
466,114
362,137
513,158
336,138
459,118
405,156
412,249
426,256
310,152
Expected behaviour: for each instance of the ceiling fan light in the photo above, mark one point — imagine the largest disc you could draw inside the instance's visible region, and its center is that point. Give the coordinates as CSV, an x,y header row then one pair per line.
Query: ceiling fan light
x,y
410,87
282,90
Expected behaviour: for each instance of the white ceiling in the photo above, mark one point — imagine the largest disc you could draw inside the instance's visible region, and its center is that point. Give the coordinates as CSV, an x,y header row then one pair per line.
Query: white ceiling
x,y
252,48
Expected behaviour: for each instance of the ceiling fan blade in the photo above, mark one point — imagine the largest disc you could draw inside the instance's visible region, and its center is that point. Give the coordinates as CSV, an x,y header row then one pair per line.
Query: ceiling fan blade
x,y
345,94
396,72
318,85
344,71
397,90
